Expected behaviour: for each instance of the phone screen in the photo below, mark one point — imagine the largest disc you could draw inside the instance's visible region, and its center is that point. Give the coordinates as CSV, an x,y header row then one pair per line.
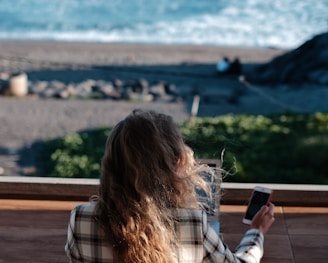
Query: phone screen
x,y
258,200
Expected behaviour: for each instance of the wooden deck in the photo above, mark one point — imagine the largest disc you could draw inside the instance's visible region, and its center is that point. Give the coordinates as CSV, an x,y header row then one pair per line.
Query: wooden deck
x,y
34,213
35,231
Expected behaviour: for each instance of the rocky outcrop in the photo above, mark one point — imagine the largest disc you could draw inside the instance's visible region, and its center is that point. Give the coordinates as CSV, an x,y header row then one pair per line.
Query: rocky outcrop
x,y
131,90
305,64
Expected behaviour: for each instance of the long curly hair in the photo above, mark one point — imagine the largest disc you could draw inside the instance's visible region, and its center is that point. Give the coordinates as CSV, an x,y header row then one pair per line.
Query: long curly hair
x,y
147,170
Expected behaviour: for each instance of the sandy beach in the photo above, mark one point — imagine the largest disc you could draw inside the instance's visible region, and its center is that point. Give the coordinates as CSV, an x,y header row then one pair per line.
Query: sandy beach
x,y
86,53
190,68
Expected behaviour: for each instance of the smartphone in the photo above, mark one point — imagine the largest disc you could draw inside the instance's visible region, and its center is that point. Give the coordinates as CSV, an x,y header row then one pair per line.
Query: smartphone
x,y
261,196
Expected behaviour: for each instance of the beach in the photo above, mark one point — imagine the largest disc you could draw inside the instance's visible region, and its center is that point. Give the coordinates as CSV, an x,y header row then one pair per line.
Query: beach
x,y
191,68
93,53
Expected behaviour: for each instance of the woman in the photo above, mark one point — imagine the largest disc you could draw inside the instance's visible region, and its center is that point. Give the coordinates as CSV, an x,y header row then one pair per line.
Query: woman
x,y
147,209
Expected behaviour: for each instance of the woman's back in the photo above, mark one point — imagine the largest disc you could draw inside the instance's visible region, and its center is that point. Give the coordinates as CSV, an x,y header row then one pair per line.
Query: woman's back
x,y
147,206
196,240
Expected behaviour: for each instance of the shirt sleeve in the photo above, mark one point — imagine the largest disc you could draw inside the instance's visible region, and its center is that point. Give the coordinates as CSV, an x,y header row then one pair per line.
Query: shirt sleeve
x,y
71,248
249,250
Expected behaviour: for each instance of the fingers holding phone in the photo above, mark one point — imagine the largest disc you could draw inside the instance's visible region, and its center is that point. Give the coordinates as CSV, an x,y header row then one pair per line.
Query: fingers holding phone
x,y
261,196
260,211
264,218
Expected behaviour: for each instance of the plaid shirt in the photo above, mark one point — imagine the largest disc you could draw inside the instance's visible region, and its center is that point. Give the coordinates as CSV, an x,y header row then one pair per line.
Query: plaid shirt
x,y
198,242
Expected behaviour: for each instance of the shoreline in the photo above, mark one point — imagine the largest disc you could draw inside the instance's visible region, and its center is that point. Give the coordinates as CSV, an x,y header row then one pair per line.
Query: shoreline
x,y
99,53
147,44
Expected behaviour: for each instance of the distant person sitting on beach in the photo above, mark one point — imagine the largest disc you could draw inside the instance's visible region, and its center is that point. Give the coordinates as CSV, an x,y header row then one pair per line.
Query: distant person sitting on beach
x,y
226,67
147,209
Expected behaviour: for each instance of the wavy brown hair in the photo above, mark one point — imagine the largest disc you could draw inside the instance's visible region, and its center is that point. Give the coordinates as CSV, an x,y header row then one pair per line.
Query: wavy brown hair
x,y
146,171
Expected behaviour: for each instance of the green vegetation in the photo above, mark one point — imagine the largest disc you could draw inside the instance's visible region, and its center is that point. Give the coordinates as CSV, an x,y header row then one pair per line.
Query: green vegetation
x,y
288,148
76,155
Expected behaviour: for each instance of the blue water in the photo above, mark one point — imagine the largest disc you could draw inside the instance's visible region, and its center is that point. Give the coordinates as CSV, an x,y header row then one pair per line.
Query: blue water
x,y
253,23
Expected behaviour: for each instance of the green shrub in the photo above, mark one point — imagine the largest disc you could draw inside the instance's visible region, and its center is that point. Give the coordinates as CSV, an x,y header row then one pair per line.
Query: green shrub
x,y
75,155
279,148
288,148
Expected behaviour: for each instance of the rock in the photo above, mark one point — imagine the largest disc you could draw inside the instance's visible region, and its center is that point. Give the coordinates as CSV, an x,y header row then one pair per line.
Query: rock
x,y
130,95
106,90
38,87
144,86
171,89
71,90
113,94
319,76
62,94
48,93
307,63
110,92
84,89
158,89
56,85
134,90
118,83
138,86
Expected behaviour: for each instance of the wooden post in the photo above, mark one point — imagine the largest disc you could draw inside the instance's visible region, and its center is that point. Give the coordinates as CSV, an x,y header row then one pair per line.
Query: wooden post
x,y
194,109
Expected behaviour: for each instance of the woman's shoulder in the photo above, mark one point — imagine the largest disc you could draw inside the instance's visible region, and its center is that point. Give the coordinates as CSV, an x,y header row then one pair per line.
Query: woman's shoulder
x,y
83,217
86,210
184,214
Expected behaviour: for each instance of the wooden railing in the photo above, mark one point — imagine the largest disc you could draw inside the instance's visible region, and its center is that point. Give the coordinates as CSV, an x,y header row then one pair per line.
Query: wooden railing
x,y
45,188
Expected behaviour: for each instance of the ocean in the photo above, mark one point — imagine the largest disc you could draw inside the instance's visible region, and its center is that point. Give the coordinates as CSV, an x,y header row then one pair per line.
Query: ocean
x,y
248,23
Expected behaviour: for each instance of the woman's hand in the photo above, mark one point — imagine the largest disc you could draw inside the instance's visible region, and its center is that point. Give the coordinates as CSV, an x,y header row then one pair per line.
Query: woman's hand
x,y
264,218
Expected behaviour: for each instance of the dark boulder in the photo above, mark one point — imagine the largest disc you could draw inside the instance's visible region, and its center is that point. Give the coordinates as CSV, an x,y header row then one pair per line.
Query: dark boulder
x,y
307,63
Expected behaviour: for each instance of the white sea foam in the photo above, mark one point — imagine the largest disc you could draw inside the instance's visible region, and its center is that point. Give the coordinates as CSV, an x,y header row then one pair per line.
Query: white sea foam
x,y
254,23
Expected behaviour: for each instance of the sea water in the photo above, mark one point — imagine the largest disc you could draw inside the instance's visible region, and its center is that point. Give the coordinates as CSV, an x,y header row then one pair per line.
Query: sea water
x,y
252,23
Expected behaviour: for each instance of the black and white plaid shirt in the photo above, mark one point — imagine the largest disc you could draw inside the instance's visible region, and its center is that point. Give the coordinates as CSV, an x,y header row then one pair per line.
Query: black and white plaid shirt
x,y
198,242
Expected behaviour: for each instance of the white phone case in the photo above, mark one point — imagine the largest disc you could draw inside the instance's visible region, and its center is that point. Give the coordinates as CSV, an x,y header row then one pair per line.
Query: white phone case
x,y
260,196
